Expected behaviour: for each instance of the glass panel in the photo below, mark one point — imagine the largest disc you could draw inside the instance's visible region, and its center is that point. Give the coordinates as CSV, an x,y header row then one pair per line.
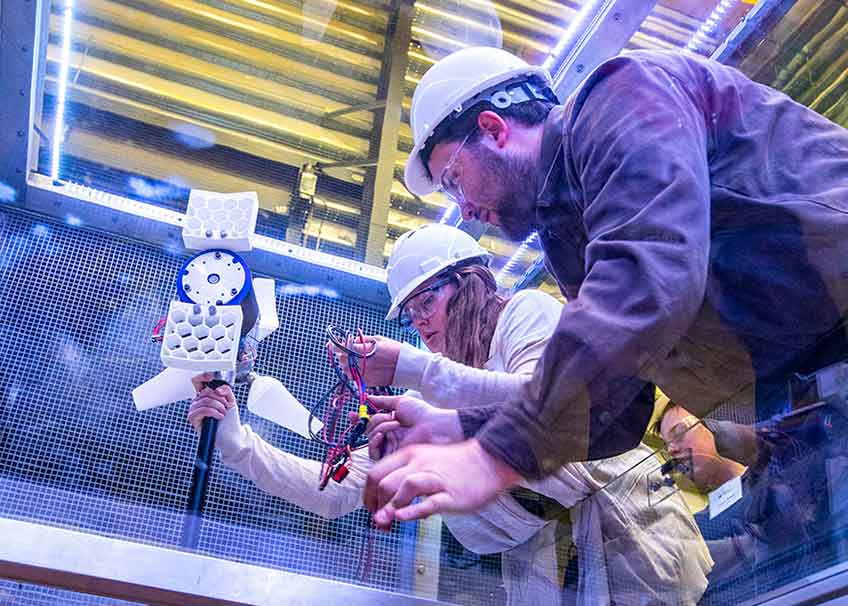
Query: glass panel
x,y
79,310
233,95
26,594
776,487
223,96
803,55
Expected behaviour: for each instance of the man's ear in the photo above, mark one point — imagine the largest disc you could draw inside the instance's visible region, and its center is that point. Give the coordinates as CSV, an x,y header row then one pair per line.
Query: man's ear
x,y
494,127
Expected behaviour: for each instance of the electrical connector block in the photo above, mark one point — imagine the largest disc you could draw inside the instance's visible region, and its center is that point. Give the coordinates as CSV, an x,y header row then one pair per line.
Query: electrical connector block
x,y
201,337
215,220
341,473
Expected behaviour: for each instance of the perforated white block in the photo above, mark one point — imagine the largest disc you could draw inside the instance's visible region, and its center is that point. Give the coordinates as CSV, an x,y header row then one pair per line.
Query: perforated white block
x,y
201,337
215,220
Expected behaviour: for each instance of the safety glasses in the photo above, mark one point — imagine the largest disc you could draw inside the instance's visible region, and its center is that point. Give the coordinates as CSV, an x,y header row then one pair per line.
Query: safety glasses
x,y
449,179
422,304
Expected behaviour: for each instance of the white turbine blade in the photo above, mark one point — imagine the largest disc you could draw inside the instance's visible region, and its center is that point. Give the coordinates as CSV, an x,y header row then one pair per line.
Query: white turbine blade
x,y
170,385
267,301
270,399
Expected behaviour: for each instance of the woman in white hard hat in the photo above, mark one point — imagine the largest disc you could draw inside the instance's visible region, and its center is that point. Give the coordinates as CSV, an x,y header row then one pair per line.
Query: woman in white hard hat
x,y
484,348
522,528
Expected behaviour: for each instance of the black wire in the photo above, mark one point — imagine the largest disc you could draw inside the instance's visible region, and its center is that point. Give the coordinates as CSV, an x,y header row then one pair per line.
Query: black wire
x,y
340,339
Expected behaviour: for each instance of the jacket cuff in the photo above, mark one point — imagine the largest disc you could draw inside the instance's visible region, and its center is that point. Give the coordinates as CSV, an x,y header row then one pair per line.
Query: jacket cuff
x,y
410,367
473,418
506,441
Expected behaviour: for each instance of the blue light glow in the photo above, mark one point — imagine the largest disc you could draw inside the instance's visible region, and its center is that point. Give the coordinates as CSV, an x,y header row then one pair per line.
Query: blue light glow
x,y
7,193
571,32
516,257
192,135
709,25
306,290
40,230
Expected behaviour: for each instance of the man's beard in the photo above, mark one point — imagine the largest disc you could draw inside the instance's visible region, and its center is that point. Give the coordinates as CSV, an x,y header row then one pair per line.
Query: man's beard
x,y
512,193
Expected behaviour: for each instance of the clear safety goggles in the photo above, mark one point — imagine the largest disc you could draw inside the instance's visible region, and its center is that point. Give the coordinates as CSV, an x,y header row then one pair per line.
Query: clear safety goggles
x,y
422,304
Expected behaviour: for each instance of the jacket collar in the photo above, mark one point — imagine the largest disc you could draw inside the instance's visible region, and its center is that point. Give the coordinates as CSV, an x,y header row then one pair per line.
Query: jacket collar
x,y
550,160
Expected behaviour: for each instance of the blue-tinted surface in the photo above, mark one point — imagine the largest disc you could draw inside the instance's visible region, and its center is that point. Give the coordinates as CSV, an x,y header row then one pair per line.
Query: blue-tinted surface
x,y
78,310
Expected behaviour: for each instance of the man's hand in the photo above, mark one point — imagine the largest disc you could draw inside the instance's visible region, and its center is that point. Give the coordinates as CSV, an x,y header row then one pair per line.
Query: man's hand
x,y
457,478
379,366
407,421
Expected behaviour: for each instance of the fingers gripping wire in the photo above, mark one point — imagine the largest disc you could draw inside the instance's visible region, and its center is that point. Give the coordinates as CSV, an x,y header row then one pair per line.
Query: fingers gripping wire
x,y
339,436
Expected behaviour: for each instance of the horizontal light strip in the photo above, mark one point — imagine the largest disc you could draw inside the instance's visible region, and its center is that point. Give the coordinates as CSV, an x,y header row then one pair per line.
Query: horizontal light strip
x,y
170,217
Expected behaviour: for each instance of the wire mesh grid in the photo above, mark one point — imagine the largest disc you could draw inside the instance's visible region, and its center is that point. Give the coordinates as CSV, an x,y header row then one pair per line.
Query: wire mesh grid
x,y
78,309
25,594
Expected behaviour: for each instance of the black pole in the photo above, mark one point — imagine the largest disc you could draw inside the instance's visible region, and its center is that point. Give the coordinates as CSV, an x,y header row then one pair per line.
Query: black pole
x,y
200,477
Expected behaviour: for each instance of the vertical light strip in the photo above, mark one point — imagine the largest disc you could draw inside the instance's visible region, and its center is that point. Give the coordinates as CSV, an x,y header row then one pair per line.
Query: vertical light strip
x,y
59,121
512,263
709,25
571,32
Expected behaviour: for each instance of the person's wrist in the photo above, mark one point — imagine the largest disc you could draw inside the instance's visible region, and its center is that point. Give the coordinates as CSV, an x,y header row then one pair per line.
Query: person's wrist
x,y
410,365
448,426
506,475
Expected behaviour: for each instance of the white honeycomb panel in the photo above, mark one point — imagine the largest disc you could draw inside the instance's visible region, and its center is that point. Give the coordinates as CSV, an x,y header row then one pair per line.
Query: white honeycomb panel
x,y
201,337
215,220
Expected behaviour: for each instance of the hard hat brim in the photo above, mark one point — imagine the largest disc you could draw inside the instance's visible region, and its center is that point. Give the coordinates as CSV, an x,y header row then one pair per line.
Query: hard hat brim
x,y
404,294
416,176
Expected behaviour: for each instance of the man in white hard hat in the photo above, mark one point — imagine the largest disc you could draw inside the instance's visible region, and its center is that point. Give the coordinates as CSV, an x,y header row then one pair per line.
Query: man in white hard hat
x,y
696,221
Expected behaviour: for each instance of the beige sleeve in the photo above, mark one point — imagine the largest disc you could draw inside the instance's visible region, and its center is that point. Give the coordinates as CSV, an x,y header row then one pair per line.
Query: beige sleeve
x,y
288,476
520,337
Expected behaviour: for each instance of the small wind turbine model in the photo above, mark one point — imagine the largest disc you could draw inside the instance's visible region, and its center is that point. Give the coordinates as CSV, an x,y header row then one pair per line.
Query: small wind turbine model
x,y
220,315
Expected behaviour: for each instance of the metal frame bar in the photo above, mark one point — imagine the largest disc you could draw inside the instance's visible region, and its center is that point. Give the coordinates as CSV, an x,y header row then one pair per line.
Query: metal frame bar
x,y
364,107
377,188
829,586
23,32
611,28
765,13
94,564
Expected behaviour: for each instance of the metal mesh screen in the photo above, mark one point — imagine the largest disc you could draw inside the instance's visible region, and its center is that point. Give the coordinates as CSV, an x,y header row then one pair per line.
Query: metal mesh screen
x,y
25,594
78,309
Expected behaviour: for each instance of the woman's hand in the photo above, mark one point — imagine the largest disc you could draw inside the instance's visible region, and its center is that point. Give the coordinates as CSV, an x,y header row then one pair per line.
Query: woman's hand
x,y
209,402
379,366
218,404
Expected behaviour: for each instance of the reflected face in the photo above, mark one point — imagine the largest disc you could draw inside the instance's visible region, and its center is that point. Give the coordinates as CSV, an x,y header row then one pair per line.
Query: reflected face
x,y
496,186
427,308
682,432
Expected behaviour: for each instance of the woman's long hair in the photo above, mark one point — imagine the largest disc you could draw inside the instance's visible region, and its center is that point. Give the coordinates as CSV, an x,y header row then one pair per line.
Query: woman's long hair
x,y
472,315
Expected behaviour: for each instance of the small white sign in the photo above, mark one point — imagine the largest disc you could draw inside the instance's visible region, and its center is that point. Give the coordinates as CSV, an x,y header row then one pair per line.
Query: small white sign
x,y
725,495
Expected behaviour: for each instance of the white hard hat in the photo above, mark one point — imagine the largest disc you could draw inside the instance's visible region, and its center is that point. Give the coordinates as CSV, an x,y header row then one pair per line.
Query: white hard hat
x,y
454,84
421,253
